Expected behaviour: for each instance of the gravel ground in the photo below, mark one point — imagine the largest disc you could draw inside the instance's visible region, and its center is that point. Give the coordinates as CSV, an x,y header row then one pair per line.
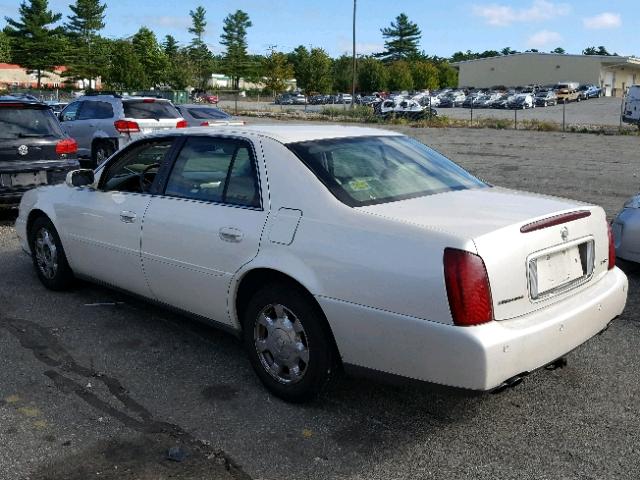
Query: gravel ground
x,y
104,391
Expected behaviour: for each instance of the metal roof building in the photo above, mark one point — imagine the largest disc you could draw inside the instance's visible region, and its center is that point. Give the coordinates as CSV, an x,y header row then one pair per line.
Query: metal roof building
x,y
613,73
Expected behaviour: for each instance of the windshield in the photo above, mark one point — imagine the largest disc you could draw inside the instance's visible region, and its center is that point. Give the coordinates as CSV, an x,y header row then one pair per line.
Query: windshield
x,y
28,122
364,171
149,109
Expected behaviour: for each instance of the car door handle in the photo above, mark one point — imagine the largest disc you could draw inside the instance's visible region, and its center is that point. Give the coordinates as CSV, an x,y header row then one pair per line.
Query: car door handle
x,y
128,217
230,234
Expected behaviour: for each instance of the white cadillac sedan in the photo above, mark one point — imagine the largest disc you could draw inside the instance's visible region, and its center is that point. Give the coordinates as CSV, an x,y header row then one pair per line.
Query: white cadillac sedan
x,y
327,247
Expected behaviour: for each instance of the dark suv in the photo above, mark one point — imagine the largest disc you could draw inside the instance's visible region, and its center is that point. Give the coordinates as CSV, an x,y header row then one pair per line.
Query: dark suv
x,y
33,149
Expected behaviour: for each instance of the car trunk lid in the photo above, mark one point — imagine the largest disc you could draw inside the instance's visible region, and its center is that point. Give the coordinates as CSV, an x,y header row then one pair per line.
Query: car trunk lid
x,y
527,268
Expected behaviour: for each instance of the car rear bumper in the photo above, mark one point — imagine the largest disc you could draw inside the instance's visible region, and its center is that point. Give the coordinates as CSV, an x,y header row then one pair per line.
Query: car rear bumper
x,y
56,172
477,358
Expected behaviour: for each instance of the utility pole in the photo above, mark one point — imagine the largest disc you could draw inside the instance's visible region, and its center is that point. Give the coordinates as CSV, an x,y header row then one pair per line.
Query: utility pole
x,y
353,82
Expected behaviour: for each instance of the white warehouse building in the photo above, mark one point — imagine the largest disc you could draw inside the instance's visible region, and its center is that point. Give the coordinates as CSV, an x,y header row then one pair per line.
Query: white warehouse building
x,y
613,73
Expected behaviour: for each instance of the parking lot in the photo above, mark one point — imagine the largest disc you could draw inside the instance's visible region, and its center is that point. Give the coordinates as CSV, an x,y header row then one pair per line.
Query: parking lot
x,y
99,385
603,111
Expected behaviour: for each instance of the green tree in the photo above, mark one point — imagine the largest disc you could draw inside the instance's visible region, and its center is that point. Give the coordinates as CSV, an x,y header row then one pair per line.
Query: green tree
x,y
200,56
234,38
342,73
402,38
5,48
559,50
447,75
179,68
372,75
151,56
400,76
508,51
597,51
35,43
125,71
88,56
299,59
276,70
320,75
425,75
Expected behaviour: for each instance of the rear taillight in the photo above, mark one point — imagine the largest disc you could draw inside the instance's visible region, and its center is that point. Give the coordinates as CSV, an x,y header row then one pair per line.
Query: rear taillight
x,y
612,248
182,124
126,126
468,288
66,146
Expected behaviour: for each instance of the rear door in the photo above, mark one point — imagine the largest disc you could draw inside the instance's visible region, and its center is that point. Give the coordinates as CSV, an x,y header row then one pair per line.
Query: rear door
x,y
151,115
206,226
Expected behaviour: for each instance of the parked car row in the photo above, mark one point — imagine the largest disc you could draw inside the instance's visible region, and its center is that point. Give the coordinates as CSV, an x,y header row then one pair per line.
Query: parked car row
x,y
39,146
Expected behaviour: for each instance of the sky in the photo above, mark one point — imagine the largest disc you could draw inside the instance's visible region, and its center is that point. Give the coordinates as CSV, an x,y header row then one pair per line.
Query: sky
x,y
447,26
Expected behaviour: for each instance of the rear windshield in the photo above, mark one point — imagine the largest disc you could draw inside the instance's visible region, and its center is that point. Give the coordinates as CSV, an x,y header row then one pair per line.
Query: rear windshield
x,y
19,122
364,171
202,113
150,109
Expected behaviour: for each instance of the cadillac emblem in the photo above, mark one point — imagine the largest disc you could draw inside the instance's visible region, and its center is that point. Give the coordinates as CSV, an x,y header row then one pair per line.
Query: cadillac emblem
x,y
564,233
23,150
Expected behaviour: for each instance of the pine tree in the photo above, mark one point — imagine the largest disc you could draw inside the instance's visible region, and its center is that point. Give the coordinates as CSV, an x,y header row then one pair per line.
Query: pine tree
x,y
88,57
401,39
199,54
5,48
170,46
150,55
234,38
35,43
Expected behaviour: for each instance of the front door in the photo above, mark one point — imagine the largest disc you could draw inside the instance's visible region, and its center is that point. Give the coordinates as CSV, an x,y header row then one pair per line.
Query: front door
x,y
102,227
205,227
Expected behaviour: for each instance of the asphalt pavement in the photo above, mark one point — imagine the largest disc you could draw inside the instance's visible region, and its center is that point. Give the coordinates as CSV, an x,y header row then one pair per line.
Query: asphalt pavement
x,y
96,384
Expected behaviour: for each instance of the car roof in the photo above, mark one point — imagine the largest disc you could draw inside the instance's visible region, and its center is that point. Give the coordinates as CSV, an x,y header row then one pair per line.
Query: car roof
x,y
290,133
24,102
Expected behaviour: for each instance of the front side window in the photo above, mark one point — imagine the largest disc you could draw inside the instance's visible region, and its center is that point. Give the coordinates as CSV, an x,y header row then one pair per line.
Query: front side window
x,y
203,113
215,170
70,113
362,171
136,168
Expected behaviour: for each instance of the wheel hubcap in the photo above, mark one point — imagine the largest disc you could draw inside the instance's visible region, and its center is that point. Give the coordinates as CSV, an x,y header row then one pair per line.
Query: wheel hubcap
x,y
46,253
281,343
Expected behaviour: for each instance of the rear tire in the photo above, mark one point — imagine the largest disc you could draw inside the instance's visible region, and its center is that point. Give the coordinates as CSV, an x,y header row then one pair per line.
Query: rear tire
x,y
48,255
100,152
289,343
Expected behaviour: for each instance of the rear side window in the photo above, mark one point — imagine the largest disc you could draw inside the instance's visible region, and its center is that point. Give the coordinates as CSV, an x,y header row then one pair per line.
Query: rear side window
x,y
28,122
95,111
215,170
208,113
149,109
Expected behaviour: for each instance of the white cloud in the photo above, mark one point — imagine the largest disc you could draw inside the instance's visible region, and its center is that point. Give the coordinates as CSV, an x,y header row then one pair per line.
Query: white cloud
x,y
169,21
362,48
503,15
544,38
604,20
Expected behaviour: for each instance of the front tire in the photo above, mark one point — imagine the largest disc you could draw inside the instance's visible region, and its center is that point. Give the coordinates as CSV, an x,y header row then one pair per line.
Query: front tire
x,y
48,256
289,343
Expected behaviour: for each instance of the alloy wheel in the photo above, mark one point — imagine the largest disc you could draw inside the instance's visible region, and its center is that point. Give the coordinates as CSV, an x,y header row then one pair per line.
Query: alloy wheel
x,y
46,253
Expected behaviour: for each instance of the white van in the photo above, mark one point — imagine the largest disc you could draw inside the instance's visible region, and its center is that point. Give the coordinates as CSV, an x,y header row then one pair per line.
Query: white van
x,y
632,106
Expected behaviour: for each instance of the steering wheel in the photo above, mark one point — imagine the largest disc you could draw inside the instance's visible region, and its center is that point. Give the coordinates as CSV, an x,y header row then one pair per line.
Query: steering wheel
x,y
145,183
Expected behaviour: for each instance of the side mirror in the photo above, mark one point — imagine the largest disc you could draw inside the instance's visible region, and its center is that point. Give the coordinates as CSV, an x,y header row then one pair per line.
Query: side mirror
x,y
80,178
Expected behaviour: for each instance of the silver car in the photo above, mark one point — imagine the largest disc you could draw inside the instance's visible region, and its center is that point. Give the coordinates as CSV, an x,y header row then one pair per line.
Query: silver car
x,y
104,123
626,230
